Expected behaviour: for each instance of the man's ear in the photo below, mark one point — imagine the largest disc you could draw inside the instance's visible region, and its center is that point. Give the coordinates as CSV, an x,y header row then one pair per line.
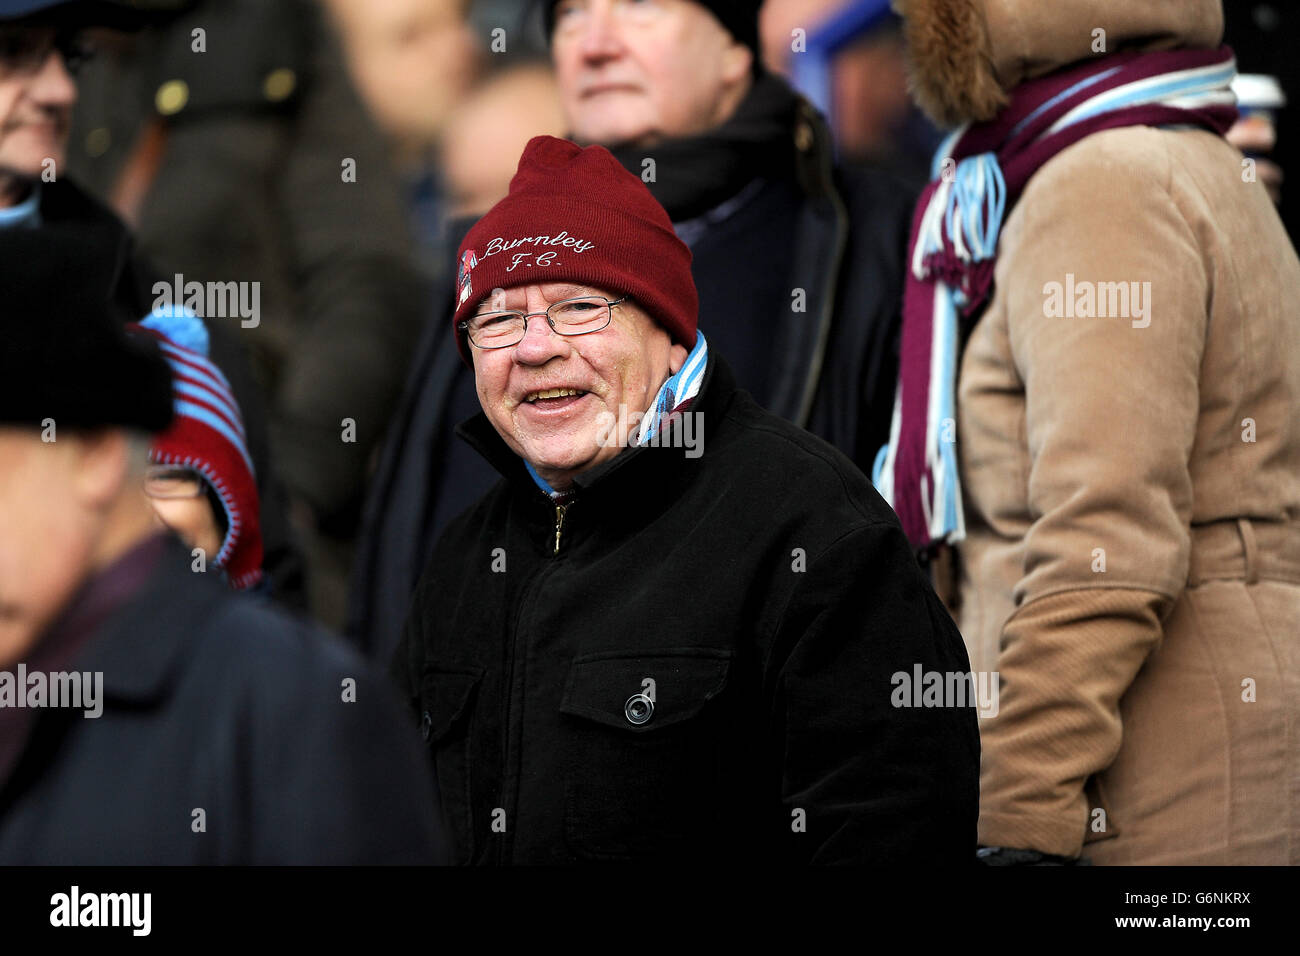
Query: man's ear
x,y
677,357
737,61
103,466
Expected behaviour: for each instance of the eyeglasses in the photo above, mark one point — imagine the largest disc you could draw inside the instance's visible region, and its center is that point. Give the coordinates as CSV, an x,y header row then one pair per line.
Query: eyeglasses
x,y
502,329
24,50
173,481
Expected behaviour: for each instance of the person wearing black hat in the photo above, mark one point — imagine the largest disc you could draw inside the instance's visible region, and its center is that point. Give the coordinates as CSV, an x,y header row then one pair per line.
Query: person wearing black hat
x,y
43,46
799,263
148,714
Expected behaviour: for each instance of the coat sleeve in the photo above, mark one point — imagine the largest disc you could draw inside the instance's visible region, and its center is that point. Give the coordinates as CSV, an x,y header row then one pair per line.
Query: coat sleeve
x,y
876,783
1111,407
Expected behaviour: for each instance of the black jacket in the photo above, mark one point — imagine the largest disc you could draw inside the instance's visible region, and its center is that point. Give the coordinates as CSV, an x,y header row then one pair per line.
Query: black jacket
x,y
767,591
216,702
841,238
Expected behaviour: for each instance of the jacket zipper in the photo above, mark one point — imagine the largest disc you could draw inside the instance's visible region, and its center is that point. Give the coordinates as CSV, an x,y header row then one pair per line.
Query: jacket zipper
x,y
559,525
510,795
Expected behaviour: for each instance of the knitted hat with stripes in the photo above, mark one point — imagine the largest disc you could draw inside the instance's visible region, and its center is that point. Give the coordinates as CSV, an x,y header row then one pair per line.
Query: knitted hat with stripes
x,y
207,434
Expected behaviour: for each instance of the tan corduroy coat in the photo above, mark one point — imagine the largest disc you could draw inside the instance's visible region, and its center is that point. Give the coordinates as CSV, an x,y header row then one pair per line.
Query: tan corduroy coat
x,y
1131,481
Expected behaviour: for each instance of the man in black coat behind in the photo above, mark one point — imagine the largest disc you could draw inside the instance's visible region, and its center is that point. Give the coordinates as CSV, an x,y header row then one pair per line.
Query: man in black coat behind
x,y
679,628
147,713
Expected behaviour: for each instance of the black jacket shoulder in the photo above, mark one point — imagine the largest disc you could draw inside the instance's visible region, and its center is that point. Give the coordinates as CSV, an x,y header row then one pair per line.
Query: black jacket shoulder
x,y
231,734
875,193
788,464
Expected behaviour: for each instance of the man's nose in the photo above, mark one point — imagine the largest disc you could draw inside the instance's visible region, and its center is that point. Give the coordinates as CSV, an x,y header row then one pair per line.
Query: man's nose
x,y
540,343
53,85
600,35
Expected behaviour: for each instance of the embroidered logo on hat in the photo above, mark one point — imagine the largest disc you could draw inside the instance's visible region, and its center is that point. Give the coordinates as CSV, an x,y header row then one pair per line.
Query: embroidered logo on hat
x,y
467,263
575,215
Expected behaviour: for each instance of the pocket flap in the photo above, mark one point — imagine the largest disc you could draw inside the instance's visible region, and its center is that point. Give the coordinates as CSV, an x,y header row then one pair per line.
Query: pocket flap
x,y
685,679
445,695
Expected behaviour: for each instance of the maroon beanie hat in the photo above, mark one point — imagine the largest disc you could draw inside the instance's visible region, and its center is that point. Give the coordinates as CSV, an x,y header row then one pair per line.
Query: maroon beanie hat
x,y
576,215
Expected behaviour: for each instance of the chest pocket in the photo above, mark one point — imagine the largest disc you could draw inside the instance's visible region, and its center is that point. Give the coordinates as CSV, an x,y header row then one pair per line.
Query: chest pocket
x,y
641,750
446,719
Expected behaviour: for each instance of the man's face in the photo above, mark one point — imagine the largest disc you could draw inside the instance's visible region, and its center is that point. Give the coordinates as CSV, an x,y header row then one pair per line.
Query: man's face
x,y
47,536
181,501
488,131
636,71
624,364
412,61
35,101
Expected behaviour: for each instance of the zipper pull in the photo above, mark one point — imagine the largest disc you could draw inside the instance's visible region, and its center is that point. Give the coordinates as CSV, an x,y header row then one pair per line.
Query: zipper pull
x,y
559,525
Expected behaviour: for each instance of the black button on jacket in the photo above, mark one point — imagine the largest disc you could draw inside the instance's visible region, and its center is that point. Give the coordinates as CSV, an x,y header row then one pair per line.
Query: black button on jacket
x,y
759,598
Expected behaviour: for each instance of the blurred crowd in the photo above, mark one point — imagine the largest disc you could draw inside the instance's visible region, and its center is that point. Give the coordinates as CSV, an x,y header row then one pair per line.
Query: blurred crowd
x,y
321,161
225,164
223,154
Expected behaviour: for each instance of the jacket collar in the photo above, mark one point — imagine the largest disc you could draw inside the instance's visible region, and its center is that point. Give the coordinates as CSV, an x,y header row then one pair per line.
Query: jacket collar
x,y
757,140
821,235
65,201
965,55
663,466
66,206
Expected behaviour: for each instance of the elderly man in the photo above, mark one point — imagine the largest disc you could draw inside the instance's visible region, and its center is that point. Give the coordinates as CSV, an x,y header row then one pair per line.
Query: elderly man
x,y
679,626
798,263
147,714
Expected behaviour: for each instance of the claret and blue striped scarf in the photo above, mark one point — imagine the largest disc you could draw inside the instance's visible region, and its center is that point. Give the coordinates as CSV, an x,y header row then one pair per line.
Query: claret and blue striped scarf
x,y
677,393
979,173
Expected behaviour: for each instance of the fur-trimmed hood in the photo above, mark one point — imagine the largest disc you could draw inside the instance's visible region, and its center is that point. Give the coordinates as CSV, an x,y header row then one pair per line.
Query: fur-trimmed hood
x,y
964,55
